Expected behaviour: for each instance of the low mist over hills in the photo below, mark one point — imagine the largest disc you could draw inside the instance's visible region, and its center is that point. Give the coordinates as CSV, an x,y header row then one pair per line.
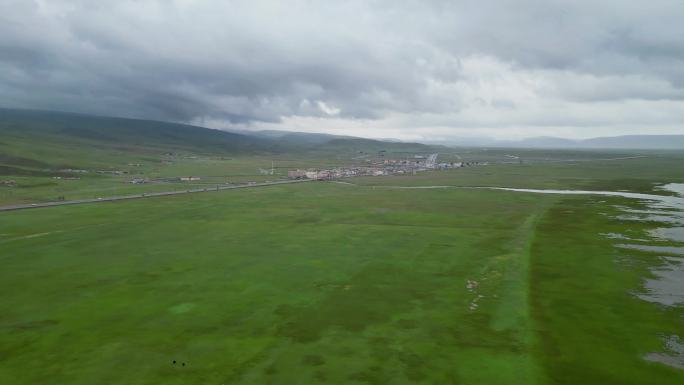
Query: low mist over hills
x,y
40,128
50,126
636,141
29,137
658,142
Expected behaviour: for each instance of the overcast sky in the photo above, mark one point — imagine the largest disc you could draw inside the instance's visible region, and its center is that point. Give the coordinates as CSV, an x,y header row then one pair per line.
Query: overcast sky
x,y
384,69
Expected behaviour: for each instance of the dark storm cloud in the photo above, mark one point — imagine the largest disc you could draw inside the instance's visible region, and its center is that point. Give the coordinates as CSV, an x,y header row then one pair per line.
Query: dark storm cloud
x,y
411,65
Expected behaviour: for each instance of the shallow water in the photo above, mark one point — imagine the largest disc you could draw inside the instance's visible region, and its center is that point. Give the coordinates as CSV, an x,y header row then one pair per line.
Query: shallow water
x,y
672,204
660,202
666,286
669,233
616,236
677,188
673,354
654,249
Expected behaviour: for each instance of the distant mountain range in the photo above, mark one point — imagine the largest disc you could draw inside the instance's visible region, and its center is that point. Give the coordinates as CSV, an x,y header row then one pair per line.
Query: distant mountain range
x,y
657,142
292,136
662,142
122,132
43,133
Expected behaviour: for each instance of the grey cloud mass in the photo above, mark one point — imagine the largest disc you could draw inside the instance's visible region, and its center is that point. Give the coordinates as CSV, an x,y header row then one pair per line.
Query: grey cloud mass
x,y
405,69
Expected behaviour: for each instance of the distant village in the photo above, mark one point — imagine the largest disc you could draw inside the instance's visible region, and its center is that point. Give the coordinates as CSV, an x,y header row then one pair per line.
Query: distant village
x,y
409,166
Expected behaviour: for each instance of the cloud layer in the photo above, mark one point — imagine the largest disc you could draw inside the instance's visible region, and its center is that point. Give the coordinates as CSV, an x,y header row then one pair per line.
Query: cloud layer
x,y
407,69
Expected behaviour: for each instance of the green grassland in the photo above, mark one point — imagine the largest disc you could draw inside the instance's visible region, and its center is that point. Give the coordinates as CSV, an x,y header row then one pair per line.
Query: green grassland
x,y
320,283
328,283
583,170
591,328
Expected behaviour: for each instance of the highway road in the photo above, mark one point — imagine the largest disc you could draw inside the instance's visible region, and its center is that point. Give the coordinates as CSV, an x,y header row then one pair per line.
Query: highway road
x,y
144,195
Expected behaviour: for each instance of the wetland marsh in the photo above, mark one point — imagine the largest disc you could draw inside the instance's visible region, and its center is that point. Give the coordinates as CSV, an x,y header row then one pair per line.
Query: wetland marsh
x,y
338,283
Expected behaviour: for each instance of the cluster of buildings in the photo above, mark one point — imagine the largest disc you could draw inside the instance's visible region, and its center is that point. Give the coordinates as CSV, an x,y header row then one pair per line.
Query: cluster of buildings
x,y
416,161
407,166
113,172
80,171
335,173
8,182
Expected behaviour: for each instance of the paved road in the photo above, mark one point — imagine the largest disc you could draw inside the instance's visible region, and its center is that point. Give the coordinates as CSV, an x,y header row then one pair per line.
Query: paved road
x,y
145,195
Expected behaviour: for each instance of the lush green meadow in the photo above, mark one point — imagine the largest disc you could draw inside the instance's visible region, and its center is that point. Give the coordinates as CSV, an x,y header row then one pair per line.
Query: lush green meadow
x,y
626,170
160,177
340,284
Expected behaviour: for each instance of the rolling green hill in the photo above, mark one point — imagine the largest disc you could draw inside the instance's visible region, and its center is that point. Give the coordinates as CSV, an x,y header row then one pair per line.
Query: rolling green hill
x,y
123,134
56,155
45,139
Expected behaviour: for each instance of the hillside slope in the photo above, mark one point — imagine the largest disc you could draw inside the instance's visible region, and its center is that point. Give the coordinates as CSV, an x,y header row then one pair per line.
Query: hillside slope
x,y
135,133
662,142
41,140
644,142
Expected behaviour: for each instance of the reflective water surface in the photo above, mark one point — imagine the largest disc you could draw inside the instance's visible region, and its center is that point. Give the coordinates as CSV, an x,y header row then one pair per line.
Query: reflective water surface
x,y
666,285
